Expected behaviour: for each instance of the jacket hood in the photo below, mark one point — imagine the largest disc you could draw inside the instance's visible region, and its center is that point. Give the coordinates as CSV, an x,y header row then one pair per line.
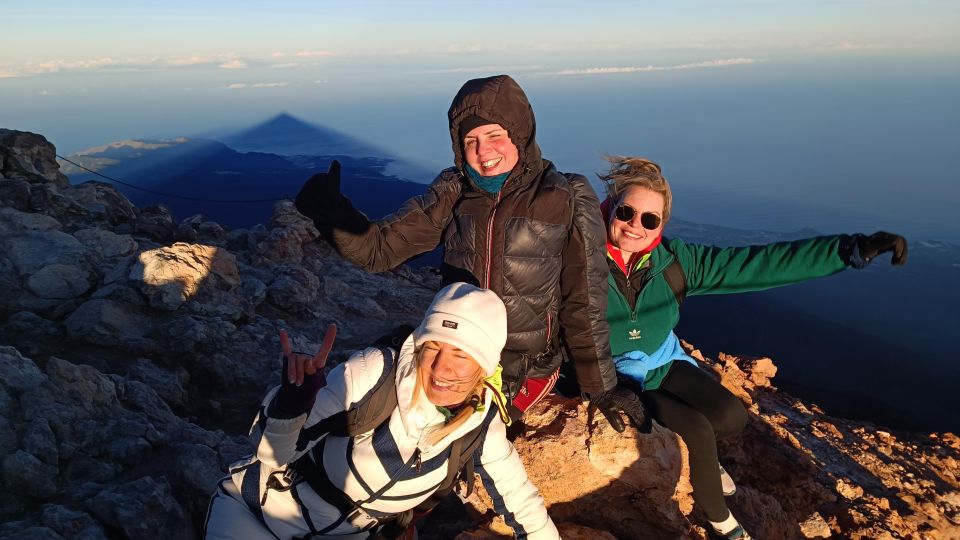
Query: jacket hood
x,y
500,100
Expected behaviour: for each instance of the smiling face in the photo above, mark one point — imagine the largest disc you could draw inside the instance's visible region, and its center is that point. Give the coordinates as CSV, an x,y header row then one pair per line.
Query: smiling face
x,y
489,150
630,236
447,374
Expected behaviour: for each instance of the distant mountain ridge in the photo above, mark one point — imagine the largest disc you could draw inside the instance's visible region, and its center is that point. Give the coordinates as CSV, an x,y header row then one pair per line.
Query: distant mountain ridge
x,y
271,160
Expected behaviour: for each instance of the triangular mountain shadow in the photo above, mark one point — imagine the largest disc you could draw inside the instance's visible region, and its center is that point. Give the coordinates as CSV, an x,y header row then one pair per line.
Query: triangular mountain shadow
x,y
287,135
197,169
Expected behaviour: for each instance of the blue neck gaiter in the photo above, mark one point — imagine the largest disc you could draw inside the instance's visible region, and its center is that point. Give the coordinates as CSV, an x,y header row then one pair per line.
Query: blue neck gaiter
x,y
490,184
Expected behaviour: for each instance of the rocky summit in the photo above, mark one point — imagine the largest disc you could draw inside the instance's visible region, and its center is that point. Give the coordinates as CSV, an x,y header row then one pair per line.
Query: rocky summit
x,y
135,349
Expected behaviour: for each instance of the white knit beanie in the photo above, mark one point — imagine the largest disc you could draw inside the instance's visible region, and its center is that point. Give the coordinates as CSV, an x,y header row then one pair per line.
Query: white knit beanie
x,y
470,318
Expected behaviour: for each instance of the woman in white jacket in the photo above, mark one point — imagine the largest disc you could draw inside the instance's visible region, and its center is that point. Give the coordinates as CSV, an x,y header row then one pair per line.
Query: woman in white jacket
x,y
447,385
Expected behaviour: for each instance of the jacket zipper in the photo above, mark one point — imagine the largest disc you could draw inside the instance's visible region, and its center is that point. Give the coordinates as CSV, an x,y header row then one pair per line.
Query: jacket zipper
x,y
549,325
643,283
493,214
417,461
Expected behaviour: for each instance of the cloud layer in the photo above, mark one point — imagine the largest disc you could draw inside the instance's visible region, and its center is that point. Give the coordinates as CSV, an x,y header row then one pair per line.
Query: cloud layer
x,y
650,68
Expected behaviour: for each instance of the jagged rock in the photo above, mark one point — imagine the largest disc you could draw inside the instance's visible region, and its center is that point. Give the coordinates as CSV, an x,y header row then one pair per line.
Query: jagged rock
x,y
59,281
289,231
121,294
72,524
211,232
24,473
143,508
364,307
18,374
200,469
108,323
97,202
294,290
848,491
25,532
39,440
198,334
156,221
102,426
815,527
192,221
29,156
170,276
14,221
14,193
41,268
30,251
106,244
166,384
186,233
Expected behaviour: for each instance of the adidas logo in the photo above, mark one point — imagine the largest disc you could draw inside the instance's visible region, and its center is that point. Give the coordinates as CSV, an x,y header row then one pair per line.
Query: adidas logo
x,y
634,334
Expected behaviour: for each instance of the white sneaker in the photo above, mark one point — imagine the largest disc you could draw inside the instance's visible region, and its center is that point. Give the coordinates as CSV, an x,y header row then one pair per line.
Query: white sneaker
x,y
737,534
734,530
727,483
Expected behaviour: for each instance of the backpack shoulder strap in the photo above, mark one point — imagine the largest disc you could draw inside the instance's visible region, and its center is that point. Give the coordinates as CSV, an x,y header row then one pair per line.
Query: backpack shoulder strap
x,y
459,465
371,410
376,406
673,274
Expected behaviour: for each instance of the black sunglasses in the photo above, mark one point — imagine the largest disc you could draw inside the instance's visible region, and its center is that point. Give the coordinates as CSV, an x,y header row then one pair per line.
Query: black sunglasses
x,y
649,220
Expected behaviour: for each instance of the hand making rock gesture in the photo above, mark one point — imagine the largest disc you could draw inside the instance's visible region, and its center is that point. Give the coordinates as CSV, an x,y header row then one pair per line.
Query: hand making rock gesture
x,y
302,375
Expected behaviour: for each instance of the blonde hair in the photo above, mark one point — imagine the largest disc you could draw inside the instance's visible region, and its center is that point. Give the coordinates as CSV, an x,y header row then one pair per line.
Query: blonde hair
x,y
626,171
475,397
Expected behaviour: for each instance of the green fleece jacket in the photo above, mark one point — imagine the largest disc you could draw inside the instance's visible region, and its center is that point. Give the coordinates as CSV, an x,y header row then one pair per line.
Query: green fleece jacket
x,y
708,270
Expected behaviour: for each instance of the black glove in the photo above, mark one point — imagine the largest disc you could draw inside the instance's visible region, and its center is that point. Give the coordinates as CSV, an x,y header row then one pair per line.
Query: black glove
x,y
859,250
291,400
320,199
619,399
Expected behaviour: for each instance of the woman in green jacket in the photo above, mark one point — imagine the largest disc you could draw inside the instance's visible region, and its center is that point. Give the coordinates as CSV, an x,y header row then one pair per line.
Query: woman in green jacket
x,y
649,276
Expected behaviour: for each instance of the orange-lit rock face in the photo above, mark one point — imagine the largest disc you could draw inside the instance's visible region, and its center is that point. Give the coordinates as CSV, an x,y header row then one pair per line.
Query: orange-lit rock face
x,y
800,473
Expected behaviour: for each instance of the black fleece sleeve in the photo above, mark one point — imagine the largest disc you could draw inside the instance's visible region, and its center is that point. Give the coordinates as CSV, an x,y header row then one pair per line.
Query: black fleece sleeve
x,y
583,285
415,228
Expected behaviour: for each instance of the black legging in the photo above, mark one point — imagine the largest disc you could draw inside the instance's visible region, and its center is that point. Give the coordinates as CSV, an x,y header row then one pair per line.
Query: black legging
x,y
699,409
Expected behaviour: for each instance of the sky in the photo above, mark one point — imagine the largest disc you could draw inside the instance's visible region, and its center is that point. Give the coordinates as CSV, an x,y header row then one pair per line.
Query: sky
x,y
864,90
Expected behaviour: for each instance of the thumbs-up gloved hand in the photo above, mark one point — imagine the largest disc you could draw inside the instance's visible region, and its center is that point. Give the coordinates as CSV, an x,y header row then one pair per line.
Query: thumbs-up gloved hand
x,y
859,250
320,199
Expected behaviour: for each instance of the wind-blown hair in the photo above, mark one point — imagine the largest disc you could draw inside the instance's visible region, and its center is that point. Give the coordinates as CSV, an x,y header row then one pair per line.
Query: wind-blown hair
x,y
626,171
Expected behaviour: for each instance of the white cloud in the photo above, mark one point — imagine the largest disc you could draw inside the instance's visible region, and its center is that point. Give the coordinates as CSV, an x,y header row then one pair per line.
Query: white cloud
x,y
234,64
237,86
854,46
188,60
286,65
314,54
649,68
226,61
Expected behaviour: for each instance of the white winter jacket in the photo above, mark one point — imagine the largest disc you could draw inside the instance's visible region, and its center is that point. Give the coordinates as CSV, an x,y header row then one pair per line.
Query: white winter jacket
x,y
361,465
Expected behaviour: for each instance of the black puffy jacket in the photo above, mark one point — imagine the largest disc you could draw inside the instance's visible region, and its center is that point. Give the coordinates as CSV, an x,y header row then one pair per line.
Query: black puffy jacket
x,y
538,243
